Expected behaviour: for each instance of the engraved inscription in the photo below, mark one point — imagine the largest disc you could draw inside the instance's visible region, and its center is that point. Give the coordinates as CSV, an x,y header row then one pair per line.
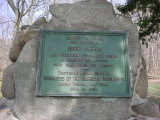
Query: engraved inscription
x,y
83,64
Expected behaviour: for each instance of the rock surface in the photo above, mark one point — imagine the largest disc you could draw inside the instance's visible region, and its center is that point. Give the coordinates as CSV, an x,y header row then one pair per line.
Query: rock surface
x,y
17,47
3,103
147,109
141,85
38,23
24,27
8,86
6,103
29,34
79,16
143,118
6,114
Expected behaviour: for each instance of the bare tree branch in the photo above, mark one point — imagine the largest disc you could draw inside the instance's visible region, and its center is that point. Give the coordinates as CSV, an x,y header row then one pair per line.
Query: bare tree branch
x,y
10,2
22,9
18,2
6,22
29,8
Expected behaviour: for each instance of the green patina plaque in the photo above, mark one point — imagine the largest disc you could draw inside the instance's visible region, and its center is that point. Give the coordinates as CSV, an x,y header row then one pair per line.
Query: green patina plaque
x,y
83,63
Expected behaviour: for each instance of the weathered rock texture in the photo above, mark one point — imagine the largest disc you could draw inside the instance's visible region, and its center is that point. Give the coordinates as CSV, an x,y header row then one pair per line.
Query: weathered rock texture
x,y
147,109
25,27
8,86
143,118
141,85
38,23
17,47
6,114
29,34
6,103
95,15
26,33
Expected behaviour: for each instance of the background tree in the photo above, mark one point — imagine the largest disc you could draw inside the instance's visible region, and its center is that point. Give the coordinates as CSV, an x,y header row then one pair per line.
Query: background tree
x,y
15,13
20,9
147,13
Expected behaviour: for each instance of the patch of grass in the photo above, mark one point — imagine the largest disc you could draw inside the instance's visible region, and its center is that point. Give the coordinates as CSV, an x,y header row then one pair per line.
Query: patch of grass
x,y
154,92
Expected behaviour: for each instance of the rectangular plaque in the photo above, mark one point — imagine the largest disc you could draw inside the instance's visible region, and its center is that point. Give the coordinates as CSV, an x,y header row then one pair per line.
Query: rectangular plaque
x,y
83,63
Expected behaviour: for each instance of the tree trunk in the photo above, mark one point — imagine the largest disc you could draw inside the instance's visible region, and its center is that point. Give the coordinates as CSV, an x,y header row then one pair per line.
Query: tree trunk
x,y
150,49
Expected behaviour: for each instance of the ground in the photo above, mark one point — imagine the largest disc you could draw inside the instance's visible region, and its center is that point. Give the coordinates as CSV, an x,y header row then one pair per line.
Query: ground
x,y
154,91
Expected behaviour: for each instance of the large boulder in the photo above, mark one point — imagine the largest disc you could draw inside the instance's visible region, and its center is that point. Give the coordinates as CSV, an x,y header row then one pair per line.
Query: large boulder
x,y
8,86
3,103
29,34
6,103
25,27
94,15
141,85
17,46
38,23
147,109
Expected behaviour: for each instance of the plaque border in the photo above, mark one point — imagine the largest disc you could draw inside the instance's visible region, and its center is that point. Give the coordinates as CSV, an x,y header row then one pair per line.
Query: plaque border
x,y
40,61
